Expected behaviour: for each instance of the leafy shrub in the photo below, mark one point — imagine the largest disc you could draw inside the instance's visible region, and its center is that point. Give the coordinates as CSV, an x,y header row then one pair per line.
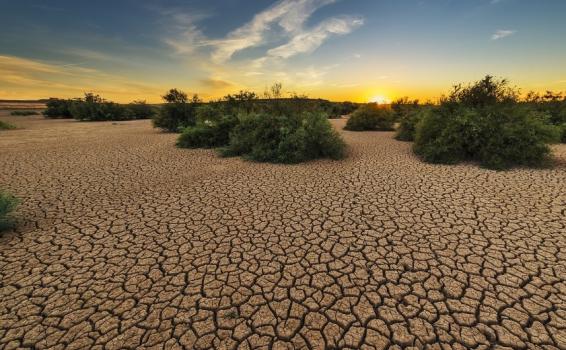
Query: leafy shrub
x,y
285,139
208,134
408,124
177,112
497,136
140,110
23,113
208,113
58,108
241,102
7,204
486,92
403,106
6,126
94,108
563,133
370,117
553,104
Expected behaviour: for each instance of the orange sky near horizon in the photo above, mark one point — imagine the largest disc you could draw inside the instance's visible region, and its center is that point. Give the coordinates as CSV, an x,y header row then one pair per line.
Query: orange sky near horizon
x,y
357,50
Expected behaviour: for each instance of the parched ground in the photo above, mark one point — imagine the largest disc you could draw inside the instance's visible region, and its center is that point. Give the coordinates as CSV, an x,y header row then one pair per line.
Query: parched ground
x,y
125,241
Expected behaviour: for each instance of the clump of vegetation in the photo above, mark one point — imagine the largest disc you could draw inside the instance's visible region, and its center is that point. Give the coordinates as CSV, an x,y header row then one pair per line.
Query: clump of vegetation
x,y
284,138
94,108
563,133
23,113
371,117
209,133
140,110
6,126
7,204
407,127
273,129
338,109
404,106
58,108
552,104
178,112
483,122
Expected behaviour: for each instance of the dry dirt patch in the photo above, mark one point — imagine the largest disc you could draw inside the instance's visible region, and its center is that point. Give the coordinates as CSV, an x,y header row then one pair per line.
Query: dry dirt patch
x,y
126,241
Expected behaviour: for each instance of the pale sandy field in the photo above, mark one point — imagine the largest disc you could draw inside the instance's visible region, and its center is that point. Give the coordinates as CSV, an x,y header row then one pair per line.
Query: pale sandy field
x,y
125,241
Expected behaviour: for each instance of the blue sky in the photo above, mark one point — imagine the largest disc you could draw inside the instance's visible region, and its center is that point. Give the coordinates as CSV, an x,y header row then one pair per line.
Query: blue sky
x,y
349,49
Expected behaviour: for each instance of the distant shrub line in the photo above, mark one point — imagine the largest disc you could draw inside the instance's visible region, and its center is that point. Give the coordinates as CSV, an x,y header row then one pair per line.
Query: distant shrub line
x,y
92,107
6,126
24,113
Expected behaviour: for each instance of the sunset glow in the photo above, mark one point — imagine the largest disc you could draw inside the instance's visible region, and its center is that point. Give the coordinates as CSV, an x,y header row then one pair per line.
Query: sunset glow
x,y
359,50
380,99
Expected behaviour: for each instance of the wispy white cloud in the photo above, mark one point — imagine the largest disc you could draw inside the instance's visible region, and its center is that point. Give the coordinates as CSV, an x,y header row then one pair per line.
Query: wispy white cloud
x,y
500,34
310,40
188,36
283,21
290,15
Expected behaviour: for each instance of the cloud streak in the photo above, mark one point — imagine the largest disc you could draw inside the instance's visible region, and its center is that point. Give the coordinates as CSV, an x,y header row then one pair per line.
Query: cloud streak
x,y
289,15
500,34
32,78
283,21
312,39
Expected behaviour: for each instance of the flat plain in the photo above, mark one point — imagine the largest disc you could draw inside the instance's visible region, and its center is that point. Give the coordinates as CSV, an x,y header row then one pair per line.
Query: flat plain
x,y
125,241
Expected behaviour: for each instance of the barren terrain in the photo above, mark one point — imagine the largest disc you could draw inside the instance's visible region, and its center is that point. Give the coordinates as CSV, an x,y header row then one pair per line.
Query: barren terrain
x,y
125,241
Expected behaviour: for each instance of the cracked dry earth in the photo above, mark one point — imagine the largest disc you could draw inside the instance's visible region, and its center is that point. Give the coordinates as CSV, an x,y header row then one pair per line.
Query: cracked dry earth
x,y
125,241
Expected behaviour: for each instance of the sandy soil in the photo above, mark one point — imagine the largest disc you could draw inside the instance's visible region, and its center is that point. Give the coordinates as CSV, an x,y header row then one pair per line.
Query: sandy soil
x,y
125,241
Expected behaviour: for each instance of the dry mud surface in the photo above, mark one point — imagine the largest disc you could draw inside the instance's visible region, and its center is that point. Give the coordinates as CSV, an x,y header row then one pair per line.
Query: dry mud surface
x,y
125,241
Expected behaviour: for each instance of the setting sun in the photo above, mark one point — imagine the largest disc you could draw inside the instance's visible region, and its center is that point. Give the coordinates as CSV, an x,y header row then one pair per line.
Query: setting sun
x,y
380,99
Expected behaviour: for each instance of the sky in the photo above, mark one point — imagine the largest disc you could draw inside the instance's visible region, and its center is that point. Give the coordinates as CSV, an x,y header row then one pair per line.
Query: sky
x,y
357,50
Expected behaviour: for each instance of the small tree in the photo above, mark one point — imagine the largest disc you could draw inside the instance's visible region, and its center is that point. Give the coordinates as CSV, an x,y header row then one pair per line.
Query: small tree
x,y
177,112
175,96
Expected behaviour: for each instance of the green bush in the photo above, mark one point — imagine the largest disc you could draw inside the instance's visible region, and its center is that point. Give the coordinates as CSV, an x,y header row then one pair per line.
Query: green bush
x,y
208,113
285,139
404,106
7,204
553,104
371,117
208,134
408,124
94,108
23,113
140,110
177,112
6,126
496,136
563,133
486,92
58,108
